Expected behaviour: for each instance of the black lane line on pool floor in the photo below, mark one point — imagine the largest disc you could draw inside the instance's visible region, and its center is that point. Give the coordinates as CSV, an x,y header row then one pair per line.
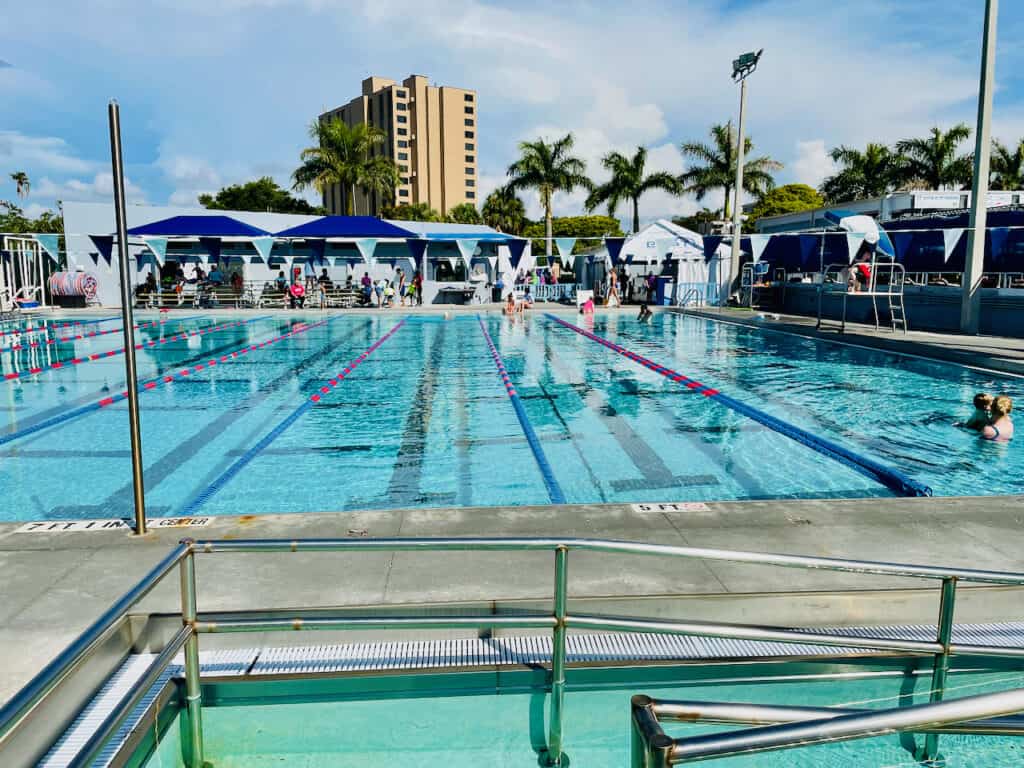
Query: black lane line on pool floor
x,y
118,504
891,478
231,472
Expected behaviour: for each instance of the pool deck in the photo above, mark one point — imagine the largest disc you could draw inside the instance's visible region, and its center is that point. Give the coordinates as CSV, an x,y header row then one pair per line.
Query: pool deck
x,y
55,584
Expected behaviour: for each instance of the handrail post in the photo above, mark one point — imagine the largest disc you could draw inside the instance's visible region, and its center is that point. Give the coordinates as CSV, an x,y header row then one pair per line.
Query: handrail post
x,y
940,667
193,689
649,746
558,656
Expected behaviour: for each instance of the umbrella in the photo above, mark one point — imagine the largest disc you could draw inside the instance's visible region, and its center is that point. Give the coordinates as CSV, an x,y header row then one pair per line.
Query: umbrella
x,y
860,224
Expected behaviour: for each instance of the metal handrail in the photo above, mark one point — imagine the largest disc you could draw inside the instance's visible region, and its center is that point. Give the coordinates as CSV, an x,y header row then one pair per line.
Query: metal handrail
x,y
559,620
652,748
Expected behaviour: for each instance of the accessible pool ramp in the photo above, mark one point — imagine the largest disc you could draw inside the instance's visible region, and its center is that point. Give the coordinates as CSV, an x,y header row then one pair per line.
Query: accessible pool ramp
x,y
130,674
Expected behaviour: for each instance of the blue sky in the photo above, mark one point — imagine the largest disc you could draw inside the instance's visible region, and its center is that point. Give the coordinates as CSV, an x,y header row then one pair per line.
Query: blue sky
x,y
219,91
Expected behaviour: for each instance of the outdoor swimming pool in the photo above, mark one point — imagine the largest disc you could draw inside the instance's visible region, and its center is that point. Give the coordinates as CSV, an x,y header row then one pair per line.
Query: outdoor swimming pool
x,y
424,420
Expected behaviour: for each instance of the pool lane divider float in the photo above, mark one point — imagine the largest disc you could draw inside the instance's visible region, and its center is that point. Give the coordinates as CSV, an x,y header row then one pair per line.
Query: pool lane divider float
x,y
246,458
74,413
38,328
90,335
120,351
892,479
554,489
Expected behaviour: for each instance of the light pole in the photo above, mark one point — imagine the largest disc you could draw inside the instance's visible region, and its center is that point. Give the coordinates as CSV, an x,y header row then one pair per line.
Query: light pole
x,y
970,297
742,68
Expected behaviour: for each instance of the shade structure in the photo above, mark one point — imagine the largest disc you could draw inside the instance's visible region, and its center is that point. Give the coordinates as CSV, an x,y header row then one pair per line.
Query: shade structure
x,y
865,225
198,226
346,226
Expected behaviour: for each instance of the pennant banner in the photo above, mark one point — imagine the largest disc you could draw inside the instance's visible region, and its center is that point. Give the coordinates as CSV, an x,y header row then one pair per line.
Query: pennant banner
x,y
264,245
614,246
515,252
757,245
997,239
50,244
493,261
951,238
212,246
105,245
158,247
317,247
367,246
565,246
711,243
417,248
466,248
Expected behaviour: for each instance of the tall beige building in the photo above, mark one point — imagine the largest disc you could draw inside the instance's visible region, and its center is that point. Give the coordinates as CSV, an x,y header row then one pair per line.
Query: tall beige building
x,y
431,135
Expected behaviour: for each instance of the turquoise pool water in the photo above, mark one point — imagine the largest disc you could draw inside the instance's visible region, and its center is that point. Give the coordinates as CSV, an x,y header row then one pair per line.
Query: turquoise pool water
x,y
471,731
425,419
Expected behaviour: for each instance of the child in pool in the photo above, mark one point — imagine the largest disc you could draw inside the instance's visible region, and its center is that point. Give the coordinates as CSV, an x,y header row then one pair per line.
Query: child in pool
x,y
1000,429
982,412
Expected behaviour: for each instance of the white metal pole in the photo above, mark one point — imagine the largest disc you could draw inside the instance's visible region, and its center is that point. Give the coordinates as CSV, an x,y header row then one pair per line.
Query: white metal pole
x,y
970,296
737,209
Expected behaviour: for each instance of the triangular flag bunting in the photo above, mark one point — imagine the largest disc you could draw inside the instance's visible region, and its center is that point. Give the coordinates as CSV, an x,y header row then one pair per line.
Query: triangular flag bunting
x,y
212,246
515,252
466,248
950,238
997,239
264,245
50,244
493,261
158,246
317,247
614,246
367,246
757,245
565,246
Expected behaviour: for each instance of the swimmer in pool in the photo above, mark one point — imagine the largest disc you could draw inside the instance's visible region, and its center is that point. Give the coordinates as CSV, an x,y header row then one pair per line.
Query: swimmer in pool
x,y
645,313
982,412
1000,429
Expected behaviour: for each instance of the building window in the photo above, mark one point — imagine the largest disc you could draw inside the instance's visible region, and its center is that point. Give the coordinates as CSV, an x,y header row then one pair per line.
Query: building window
x,y
403,193
403,155
405,181
469,147
403,144
400,94
469,122
403,119
468,97
470,159
469,134
403,168
470,183
469,170
469,110
403,132
470,195
400,106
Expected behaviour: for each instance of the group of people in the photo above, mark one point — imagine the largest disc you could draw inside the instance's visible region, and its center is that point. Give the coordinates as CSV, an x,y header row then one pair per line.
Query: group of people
x,y
991,417
384,292
619,288
176,283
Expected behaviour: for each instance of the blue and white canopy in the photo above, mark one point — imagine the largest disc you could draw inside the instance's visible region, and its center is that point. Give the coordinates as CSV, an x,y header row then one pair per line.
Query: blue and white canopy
x,y
866,226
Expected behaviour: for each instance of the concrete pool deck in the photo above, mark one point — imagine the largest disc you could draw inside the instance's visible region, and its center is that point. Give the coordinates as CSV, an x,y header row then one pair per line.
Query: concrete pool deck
x,y
55,584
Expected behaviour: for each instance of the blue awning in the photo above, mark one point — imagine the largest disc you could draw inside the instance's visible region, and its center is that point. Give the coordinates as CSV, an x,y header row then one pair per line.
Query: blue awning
x,y
199,226
346,226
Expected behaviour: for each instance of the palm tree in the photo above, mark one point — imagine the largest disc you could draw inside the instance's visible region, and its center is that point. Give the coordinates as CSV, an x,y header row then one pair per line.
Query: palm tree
x,y
719,166
628,182
24,185
871,173
548,168
343,155
504,211
464,213
379,175
1007,166
933,161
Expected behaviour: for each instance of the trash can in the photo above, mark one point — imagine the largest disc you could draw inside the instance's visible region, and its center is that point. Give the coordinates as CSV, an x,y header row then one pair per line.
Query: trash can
x,y
664,291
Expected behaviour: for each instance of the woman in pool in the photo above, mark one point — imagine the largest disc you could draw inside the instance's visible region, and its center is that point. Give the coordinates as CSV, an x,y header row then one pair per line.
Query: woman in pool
x,y
982,412
1000,429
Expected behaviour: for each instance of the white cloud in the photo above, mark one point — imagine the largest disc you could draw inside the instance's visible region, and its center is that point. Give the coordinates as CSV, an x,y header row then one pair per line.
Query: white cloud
x,y
100,188
813,164
18,150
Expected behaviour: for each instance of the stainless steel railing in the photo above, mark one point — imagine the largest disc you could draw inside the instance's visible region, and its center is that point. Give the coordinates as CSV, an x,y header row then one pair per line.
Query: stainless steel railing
x,y
559,621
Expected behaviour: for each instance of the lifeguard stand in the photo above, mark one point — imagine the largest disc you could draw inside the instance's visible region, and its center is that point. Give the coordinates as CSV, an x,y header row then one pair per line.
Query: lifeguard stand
x,y
886,283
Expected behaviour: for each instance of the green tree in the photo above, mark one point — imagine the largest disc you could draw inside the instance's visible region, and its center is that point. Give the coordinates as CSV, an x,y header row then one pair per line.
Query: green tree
x,y
548,168
933,161
592,227
504,211
263,194
788,198
343,155
20,178
1007,166
693,223
872,173
14,221
464,213
629,182
411,212
718,166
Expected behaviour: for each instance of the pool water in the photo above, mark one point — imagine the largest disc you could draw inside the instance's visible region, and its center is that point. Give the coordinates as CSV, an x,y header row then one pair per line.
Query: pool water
x,y
509,729
425,420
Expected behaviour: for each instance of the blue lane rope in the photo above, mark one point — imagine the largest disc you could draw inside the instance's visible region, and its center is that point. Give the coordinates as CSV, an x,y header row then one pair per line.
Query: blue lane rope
x,y
554,489
74,413
891,478
246,458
